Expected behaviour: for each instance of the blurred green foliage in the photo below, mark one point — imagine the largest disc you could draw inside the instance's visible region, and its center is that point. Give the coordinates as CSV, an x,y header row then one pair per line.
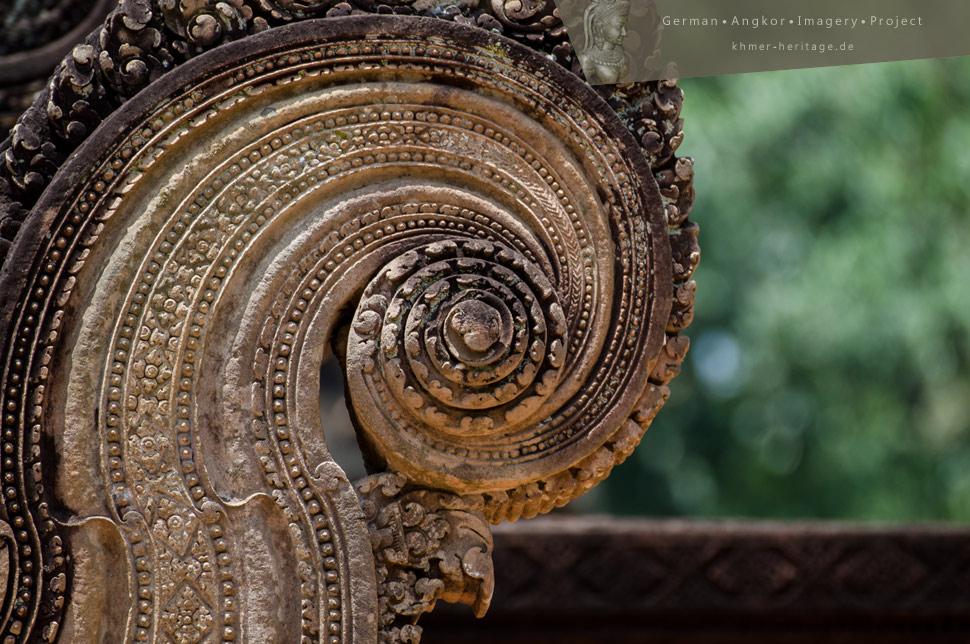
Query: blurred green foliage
x,y
829,372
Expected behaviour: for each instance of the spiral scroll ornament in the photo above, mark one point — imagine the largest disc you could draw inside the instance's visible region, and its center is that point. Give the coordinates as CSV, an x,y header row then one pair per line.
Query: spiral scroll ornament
x,y
466,323
467,223
511,361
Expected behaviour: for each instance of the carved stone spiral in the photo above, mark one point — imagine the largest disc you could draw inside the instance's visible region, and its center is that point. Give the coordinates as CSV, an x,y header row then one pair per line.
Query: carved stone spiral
x,y
502,360
469,219
466,323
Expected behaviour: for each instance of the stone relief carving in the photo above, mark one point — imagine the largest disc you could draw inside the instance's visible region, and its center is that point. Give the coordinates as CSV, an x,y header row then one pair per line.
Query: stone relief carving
x,y
427,546
504,270
34,37
141,40
604,25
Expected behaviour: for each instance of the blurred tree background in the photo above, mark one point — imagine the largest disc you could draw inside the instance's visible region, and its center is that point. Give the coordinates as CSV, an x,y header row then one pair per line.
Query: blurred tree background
x,y
829,372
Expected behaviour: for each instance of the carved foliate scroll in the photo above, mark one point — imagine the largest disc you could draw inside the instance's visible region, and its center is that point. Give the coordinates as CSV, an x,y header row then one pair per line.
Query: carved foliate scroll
x,y
34,36
472,228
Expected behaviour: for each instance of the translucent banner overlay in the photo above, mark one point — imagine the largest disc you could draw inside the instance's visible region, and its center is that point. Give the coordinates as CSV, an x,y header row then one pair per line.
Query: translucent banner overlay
x,y
623,41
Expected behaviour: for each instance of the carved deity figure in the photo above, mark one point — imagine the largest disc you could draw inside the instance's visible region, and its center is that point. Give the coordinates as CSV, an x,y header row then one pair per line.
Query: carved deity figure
x,y
603,59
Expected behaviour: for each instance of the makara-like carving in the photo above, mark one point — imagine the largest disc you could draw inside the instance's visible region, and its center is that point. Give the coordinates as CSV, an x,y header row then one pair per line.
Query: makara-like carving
x,y
500,259
427,546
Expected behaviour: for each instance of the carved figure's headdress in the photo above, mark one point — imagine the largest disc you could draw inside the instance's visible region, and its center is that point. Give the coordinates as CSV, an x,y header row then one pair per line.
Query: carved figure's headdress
x,y
599,9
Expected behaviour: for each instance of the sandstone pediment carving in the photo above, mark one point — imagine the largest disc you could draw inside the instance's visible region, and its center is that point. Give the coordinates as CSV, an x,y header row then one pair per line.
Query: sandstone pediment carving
x,y
208,199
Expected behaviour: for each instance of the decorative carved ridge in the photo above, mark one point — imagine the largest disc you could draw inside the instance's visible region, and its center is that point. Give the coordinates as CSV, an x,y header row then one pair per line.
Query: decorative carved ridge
x,y
141,40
